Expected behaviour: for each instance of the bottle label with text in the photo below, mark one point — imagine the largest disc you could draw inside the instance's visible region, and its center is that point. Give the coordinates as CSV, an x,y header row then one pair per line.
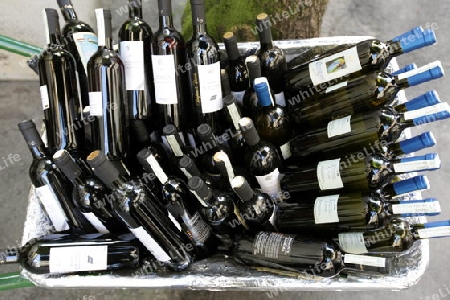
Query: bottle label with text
x,y
273,245
339,126
132,55
352,243
270,183
210,87
86,43
328,174
52,207
335,66
416,208
325,209
78,259
165,80
372,261
96,104
417,165
44,97
199,229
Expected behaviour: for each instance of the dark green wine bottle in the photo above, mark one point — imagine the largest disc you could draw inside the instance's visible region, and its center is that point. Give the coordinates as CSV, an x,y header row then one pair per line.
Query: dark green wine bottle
x,y
250,101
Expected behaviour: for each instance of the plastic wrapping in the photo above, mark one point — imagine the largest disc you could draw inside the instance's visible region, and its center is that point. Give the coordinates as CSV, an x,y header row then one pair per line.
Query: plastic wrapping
x,y
221,272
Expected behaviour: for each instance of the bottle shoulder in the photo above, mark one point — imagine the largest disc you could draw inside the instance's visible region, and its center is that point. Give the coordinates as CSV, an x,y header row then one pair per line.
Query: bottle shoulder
x,y
74,26
135,26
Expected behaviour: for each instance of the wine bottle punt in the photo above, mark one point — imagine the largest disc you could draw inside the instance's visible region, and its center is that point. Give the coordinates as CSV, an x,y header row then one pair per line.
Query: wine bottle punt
x,y
59,94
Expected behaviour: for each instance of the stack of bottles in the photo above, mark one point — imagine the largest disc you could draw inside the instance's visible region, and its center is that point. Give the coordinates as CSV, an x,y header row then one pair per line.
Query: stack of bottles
x,y
159,154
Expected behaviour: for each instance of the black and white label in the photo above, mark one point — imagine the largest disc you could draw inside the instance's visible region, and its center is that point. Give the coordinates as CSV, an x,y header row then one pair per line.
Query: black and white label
x,y
52,207
326,209
270,183
238,96
335,66
417,165
328,174
95,104
151,245
339,126
164,77
372,261
96,222
286,150
352,243
210,88
78,258
272,245
86,43
199,229
44,97
416,208
132,55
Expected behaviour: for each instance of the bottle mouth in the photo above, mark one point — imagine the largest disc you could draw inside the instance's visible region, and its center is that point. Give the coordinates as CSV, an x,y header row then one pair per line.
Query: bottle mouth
x,y
262,17
186,162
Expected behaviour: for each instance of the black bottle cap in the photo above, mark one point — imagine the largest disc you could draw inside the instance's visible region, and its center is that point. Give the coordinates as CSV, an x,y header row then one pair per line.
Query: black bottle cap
x,y
242,188
205,134
219,163
263,23
170,130
142,158
197,185
165,7
230,41
225,83
134,4
198,11
102,167
254,67
66,164
62,3
249,131
30,133
52,20
140,132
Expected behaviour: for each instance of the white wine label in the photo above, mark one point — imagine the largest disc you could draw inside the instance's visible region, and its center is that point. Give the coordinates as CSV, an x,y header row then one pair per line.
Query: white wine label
x,y
352,243
238,96
325,209
270,183
416,208
286,150
417,165
96,222
199,229
339,126
335,87
272,245
422,69
78,258
87,45
328,174
132,55
174,221
429,110
210,88
44,97
100,26
151,245
280,99
335,66
96,103
164,77
52,207
372,261
433,232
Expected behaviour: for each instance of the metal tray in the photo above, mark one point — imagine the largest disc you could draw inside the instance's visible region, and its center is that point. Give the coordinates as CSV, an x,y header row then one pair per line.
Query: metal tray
x,y
222,273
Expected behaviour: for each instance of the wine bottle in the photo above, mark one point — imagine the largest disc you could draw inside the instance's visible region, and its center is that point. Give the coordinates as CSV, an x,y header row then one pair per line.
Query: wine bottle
x,y
262,159
396,236
171,83
273,60
181,204
143,215
204,73
88,195
237,71
189,169
256,208
135,38
305,257
175,142
228,172
271,120
52,189
59,95
218,209
367,174
355,133
347,212
362,94
361,59
80,40
80,254
250,101
107,94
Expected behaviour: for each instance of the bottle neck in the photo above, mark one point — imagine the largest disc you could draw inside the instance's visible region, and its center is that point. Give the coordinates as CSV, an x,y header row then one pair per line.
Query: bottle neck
x,y
104,29
198,19
38,150
265,36
165,22
135,10
69,13
395,48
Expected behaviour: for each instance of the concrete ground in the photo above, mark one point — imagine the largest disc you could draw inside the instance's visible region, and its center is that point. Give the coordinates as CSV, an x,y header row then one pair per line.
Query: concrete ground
x,y
20,100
